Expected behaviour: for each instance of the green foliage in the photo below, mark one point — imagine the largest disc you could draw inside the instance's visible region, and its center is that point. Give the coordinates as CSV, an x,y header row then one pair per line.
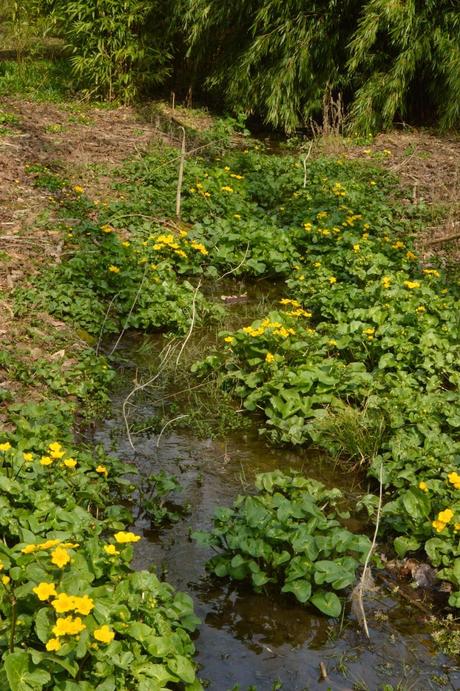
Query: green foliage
x,y
401,52
73,612
281,60
118,48
287,535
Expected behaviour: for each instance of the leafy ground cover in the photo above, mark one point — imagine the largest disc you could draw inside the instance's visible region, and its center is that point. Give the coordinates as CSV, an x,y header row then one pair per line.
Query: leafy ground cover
x,y
359,355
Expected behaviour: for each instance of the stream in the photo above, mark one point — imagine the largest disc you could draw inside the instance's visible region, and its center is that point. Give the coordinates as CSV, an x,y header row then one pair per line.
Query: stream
x,y
262,641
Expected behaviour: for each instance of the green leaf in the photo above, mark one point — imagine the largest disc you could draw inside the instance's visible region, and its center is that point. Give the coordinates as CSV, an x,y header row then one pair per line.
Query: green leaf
x,y
183,668
328,603
404,544
21,674
300,588
43,624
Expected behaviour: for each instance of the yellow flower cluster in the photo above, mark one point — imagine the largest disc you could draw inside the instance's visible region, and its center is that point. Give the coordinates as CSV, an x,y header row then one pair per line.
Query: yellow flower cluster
x,y
350,220
269,358
370,332
299,312
124,537
398,245
5,446
339,190
166,240
199,247
444,517
411,256
423,486
113,269
287,301
226,188
431,272
454,479
54,453
386,281
68,626
276,328
411,284
60,556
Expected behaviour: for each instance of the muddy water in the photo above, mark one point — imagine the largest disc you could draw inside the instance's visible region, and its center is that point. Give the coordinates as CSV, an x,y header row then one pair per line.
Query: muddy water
x,y
261,641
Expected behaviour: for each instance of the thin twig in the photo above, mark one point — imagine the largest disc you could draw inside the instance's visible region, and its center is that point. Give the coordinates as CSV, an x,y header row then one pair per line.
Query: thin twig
x,y
192,323
181,175
179,417
304,162
141,387
104,322
227,273
369,554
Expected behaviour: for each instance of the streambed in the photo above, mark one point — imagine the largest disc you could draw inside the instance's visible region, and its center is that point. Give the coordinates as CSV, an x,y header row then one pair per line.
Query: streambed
x,y
263,641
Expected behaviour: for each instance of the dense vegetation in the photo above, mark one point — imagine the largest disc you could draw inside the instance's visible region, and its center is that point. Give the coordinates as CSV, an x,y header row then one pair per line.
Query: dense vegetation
x,y
284,62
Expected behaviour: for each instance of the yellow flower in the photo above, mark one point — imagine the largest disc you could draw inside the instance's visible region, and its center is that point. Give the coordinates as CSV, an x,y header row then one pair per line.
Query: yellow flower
x,y
269,357
398,245
356,248
48,544
457,526
126,243
332,342
104,634
60,557
369,332
114,269
431,272
111,550
46,460
411,256
454,478
123,537
411,284
438,526
237,216
28,457
102,470
445,516
286,301
229,339
53,645
68,626
332,280
322,214
70,545
57,453
226,188
6,446
423,486
30,549
6,580
70,463
421,309
45,590
386,281
2,566
83,605
307,226
199,246
63,603
106,228
78,189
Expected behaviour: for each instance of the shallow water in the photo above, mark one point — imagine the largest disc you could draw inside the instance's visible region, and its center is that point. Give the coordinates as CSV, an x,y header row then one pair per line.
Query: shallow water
x,y
257,640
